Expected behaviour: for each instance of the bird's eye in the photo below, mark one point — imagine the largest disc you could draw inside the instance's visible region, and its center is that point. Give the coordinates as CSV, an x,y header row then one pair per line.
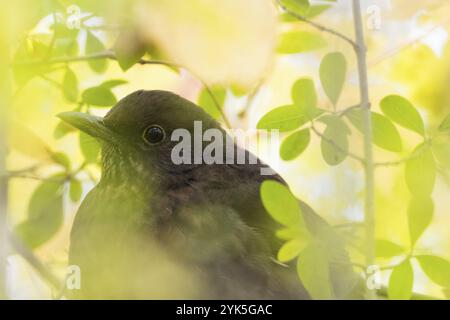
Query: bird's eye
x,y
153,134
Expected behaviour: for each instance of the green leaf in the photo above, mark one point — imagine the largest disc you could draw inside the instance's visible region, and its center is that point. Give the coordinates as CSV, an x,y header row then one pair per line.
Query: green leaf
x,y
26,142
129,49
387,249
288,233
314,273
420,213
76,190
45,213
436,268
316,10
402,112
291,249
61,129
90,148
401,282
305,97
333,69
299,7
62,159
384,134
94,45
299,41
295,144
445,125
70,85
441,150
207,103
420,171
113,83
334,144
285,118
99,97
281,204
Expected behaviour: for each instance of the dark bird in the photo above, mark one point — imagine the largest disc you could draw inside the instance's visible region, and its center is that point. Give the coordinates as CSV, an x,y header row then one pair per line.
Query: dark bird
x,y
155,229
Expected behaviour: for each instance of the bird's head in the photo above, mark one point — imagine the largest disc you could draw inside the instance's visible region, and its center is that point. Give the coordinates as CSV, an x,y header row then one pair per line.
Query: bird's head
x,y
136,133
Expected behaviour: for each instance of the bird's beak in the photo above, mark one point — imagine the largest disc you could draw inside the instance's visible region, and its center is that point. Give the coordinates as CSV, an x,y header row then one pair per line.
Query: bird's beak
x,y
92,125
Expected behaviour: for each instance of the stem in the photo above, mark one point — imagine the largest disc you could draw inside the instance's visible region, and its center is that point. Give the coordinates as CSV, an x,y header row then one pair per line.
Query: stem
x,y
34,261
368,153
317,25
335,145
112,56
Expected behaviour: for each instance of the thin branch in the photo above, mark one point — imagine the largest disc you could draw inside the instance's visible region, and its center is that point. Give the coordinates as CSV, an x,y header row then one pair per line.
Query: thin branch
x,y
112,56
345,111
317,25
350,225
413,156
34,261
336,146
369,216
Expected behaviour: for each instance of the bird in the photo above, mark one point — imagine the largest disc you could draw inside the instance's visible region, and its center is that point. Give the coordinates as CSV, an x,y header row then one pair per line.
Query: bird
x,y
152,229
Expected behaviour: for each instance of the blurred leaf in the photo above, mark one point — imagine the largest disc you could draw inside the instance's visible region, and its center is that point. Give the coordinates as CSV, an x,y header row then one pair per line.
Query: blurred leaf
x,y
299,7
23,72
316,10
99,97
76,190
113,83
94,45
62,159
291,249
238,90
436,268
420,171
70,85
445,125
285,118
65,47
90,148
402,112
305,97
61,129
288,233
207,103
299,41
281,204
333,69
401,282
314,273
441,150
129,49
26,142
384,134
334,143
387,249
420,213
45,213
295,144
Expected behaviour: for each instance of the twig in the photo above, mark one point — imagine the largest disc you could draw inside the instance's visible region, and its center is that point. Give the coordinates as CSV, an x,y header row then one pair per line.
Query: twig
x,y
34,261
369,218
335,145
318,25
350,225
112,56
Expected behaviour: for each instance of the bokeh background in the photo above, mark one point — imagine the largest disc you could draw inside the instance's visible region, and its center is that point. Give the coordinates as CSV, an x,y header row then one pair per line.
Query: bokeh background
x,y
236,48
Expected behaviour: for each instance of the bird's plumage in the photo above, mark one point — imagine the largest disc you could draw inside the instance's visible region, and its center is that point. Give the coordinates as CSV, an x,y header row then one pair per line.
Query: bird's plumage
x,y
152,229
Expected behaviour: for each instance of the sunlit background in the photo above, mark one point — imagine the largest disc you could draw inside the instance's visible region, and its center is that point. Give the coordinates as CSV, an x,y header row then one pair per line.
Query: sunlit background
x,y
234,45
